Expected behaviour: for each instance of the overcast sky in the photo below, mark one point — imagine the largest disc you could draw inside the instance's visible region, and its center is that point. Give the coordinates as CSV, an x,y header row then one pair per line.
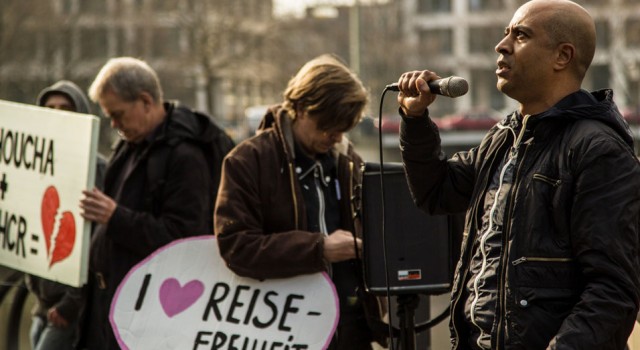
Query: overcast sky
x,y
288,6
296,7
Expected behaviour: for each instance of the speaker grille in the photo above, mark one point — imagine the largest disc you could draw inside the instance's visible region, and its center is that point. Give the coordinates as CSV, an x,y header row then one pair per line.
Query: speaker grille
x,y
418,245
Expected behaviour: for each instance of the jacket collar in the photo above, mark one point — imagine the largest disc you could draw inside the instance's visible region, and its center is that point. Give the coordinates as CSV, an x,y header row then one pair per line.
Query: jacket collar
x,y
583,105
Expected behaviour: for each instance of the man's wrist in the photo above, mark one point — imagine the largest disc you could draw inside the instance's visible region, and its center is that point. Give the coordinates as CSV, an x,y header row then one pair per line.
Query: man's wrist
x,y
405,114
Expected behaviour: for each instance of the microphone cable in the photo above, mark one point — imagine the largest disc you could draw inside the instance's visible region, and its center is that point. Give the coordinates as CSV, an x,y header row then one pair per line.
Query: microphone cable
x,y
445,313
382,217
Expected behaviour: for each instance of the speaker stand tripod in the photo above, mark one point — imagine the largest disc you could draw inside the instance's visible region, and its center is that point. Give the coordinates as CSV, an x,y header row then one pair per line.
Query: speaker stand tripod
x,y
406,333
407,305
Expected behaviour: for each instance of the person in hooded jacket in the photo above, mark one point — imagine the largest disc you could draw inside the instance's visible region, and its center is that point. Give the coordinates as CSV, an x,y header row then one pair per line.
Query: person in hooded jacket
x,y
286,203
160,183
549,258
58,307
66,95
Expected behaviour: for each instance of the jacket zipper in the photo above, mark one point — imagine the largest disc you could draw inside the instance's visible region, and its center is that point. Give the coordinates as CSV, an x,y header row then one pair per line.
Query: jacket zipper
x,y
550,181
483,240
293,195
351,199
321,202
505,233
454,305
538,259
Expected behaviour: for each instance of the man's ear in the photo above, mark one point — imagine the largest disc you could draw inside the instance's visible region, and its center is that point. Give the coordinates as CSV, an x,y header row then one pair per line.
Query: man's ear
x,y
565,53
299,111
147,100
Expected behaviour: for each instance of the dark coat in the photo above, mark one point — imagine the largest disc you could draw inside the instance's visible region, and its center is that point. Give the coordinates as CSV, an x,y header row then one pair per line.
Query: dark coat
x,y
260,216
150,215
69,301
167,194
569,258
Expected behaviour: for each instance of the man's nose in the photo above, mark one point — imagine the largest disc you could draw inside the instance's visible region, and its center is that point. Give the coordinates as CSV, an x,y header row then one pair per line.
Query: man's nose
x,y
502,46
336,136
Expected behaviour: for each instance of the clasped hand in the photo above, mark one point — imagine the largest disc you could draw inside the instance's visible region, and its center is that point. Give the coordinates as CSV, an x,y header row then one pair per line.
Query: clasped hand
x,y
339,246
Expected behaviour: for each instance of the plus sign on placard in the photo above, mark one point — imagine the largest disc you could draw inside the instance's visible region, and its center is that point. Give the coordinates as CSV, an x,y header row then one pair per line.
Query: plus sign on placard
x,y
3,185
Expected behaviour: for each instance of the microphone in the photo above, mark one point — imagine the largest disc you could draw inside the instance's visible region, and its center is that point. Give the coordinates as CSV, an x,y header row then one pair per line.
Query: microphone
x,y
451,87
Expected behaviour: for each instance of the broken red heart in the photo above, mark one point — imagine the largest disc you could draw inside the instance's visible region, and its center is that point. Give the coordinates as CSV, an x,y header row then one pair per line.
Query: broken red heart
x,y
48,210
66,235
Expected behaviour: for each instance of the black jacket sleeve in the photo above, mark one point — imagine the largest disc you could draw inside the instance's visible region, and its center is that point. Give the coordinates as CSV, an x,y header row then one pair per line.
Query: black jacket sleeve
x,y
185,209
437,185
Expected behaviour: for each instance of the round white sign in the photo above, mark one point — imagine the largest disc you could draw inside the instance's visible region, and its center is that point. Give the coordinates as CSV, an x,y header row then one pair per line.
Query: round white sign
x,y
184,297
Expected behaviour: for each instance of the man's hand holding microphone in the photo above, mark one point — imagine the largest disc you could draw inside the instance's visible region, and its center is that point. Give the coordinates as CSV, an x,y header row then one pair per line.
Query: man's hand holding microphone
x,y
418,89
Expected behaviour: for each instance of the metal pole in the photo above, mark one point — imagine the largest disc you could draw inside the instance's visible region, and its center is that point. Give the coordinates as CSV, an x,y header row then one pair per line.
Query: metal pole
x,y
354,37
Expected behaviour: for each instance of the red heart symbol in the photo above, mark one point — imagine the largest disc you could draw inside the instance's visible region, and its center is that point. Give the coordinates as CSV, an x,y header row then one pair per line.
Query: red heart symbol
x,y
66,235
65,239
48,211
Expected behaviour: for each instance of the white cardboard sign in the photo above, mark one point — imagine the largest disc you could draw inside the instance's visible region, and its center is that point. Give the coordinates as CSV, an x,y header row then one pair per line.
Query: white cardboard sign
x,y
184,297
47,157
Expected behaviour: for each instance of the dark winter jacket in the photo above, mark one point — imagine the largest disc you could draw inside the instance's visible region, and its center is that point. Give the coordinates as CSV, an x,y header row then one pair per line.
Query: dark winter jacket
x,y
168,194
260,217
69,301
569,266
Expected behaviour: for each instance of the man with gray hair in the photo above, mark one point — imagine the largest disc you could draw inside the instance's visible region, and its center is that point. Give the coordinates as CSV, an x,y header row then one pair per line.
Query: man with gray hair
x,y
160,184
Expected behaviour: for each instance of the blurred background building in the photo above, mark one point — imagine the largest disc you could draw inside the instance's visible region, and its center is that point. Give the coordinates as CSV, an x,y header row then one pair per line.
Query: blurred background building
x,y
223,56
457,37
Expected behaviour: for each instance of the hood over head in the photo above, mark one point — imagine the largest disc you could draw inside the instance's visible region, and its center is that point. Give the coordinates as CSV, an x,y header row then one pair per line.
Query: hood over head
x,y
70,90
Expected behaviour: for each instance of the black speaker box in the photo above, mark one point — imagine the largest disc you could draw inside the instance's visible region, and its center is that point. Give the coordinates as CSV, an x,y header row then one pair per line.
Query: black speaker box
x,y
418,246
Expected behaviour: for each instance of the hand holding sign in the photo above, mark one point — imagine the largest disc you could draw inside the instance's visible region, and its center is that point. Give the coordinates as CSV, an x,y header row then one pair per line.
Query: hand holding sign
x,y
97,206
184,297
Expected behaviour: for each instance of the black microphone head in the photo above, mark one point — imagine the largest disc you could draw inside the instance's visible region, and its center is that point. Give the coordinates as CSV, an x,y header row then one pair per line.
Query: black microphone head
x,y
454,86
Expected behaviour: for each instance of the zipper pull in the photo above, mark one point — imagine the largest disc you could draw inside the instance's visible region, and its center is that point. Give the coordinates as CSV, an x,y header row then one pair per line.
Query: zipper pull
x,y
519,261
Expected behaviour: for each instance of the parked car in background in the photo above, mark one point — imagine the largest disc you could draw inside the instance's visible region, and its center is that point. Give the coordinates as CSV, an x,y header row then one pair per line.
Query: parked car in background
x,y
389,128
631,115
459,131
477,119
390,124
